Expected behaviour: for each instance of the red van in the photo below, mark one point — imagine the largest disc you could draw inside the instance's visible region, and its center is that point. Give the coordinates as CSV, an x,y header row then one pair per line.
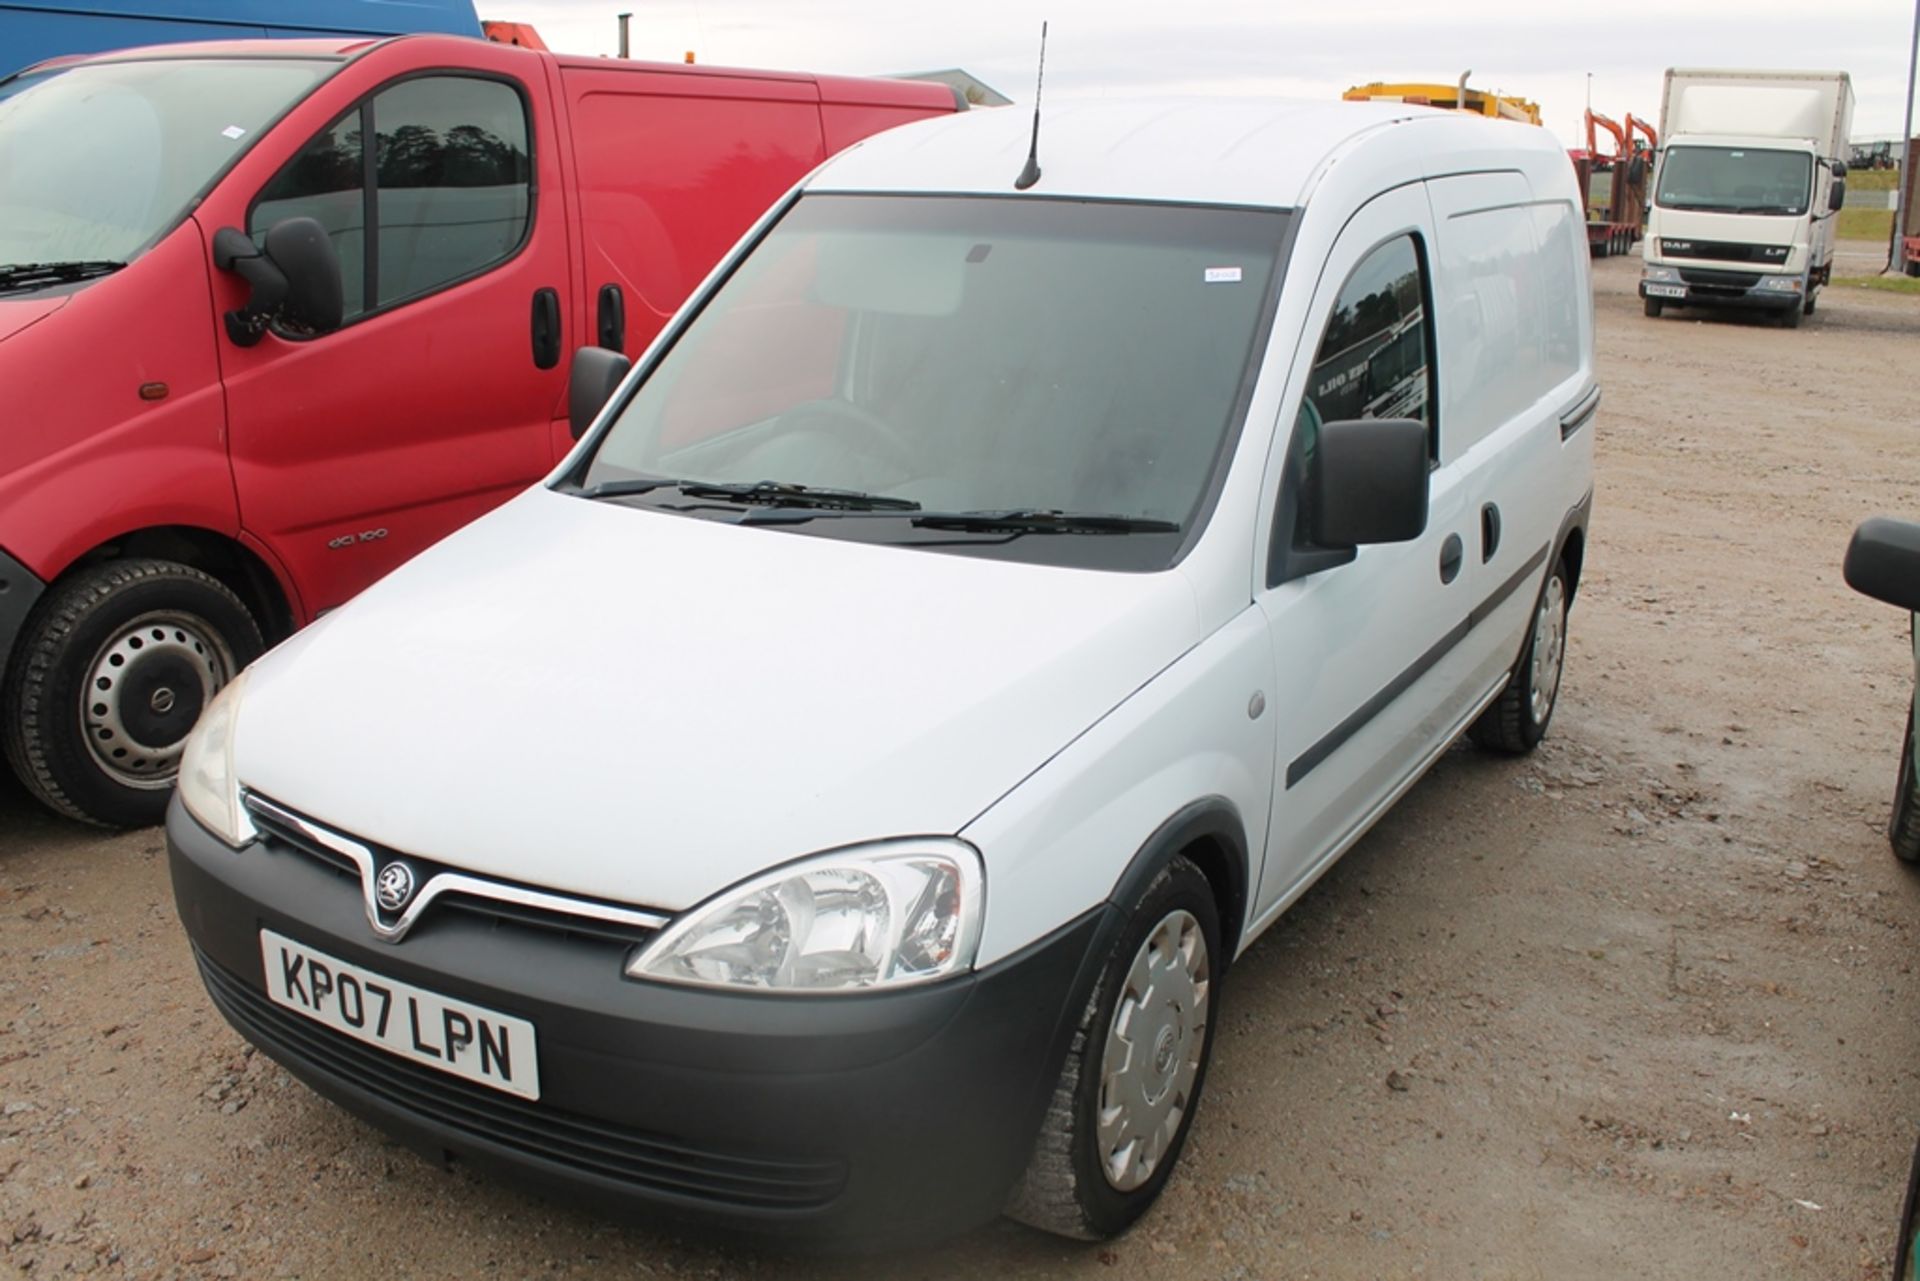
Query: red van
x,y
249,364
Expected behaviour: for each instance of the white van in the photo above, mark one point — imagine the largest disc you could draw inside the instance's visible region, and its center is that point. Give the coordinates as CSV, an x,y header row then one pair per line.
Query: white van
x,y
828,804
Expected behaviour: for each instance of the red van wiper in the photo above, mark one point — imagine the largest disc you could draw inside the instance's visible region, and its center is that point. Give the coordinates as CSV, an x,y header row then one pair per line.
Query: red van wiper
x,y
32,275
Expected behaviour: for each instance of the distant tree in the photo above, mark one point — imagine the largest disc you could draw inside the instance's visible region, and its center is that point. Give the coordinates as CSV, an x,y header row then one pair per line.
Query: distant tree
x,y
411,156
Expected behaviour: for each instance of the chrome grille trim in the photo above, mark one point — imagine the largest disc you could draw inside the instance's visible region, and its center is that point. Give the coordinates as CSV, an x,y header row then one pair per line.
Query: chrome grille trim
x,y
361,856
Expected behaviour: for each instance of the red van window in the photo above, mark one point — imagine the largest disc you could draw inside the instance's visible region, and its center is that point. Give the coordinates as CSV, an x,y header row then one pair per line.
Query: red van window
x,y
453,187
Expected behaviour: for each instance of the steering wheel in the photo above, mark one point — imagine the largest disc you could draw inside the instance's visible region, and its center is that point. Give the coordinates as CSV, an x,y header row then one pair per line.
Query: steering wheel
x,y
831,415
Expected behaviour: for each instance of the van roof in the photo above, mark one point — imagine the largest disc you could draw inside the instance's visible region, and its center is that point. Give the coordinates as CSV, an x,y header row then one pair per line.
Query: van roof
x,y
835,89
1258,151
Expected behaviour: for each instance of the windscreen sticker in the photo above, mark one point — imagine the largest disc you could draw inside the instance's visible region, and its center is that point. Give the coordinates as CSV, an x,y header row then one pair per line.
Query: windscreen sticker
x,y
1223,275
234,132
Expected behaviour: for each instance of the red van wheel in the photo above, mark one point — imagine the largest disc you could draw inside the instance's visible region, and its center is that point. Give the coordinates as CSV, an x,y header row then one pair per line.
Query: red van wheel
x,y
113,670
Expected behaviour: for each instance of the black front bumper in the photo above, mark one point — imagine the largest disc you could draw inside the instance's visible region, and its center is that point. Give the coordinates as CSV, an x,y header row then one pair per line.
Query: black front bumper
x,y
872,1120
20,590
1706,287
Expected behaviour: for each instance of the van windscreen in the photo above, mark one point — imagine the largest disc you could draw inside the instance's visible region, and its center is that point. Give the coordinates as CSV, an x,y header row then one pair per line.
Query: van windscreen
x,y
98,160
960,357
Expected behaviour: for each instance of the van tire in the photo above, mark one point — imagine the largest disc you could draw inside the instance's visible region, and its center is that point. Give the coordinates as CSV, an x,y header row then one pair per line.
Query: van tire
x,y
96,622
1652,306
1903,830
1066,1188
1517,720
1806,308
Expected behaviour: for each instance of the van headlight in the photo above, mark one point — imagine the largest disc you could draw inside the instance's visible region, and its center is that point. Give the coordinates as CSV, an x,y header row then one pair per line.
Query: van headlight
x,y
1781,284
207,784
883,915
1659,275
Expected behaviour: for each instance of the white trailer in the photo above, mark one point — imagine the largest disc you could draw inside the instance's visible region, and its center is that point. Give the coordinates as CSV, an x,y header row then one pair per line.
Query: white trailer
x,y
1750,174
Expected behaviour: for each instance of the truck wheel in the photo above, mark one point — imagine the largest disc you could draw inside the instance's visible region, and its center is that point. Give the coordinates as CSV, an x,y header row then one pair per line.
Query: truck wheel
x,y
1652,306
1133,1075
113,669
1903,832
1913,268
1806,308
1516,721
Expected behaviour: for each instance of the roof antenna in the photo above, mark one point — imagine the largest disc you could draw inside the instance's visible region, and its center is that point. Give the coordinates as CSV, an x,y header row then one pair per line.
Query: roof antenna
x,y
1031,173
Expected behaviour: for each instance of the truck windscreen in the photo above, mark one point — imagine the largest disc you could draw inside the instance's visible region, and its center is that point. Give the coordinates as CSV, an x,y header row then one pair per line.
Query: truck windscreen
x,y
98,160
1746,180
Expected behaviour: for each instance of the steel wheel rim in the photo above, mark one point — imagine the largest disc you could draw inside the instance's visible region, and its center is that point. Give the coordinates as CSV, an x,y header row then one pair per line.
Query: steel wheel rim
x,y
1549,649
145,689
1154,1044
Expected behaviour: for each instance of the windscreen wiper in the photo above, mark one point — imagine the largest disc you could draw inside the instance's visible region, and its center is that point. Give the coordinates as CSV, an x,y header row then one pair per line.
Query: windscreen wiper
x,y
627,487
781,493
765,493
31,275
1039,521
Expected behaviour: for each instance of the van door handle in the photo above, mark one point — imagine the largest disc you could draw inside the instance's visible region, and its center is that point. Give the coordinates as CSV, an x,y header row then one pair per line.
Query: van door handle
x,y
611,318
1489,531
1453,554
546,328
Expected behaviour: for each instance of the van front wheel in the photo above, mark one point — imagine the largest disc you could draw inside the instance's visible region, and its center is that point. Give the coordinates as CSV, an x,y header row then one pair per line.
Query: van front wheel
x,y
1127,1092
1652,306
113,669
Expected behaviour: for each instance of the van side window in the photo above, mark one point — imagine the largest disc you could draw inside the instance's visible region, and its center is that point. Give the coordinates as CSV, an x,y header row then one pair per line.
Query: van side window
x,y
452,187
323,182
1374,359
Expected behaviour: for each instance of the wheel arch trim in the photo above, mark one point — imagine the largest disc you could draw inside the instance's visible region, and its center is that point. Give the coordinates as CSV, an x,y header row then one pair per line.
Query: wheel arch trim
x,y
1212,834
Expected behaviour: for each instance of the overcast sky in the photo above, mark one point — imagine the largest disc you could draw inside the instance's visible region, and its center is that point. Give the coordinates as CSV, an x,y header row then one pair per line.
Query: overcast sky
x,y
1541,50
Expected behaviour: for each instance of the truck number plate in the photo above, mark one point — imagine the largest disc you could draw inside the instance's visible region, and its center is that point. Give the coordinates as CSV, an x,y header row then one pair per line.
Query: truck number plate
x,y
481,1045
1666,291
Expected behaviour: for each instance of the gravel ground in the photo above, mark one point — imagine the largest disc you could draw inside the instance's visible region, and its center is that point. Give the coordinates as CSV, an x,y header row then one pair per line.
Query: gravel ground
x,y
1641,1005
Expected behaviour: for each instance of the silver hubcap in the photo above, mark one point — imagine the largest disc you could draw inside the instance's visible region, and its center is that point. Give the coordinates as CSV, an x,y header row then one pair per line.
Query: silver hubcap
x,y
1549,647
145,688
1153,1051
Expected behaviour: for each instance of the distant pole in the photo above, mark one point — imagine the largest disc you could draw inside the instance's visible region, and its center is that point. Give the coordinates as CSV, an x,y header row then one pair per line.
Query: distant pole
x,y
1905,179
627,18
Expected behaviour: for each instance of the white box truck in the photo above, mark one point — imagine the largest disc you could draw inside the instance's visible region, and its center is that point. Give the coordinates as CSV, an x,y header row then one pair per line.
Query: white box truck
x,y
1750,174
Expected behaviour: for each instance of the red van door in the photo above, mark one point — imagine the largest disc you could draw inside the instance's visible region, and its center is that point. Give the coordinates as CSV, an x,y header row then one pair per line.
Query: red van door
x,y
435,400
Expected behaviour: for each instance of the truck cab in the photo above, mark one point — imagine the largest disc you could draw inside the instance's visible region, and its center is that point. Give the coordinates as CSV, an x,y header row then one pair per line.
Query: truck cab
x,y
1746,186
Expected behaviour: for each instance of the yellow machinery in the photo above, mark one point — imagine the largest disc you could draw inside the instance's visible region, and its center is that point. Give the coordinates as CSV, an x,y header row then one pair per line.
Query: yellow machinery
x,y
1450,97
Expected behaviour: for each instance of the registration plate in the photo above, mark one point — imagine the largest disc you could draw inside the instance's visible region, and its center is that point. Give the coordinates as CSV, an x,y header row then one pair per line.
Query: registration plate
x,y
1666,291
469,1041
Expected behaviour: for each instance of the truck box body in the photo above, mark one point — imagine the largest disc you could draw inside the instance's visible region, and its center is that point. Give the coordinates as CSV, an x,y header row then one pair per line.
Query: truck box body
x,y
32,31
1750,174
519,205
1813,105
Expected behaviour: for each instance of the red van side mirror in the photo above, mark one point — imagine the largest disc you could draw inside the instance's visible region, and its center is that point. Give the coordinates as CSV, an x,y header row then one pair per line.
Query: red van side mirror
x,y
294,274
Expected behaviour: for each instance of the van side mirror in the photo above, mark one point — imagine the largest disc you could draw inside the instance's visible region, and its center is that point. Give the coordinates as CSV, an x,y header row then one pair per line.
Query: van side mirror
x,y
591,383
1883,561
1368,483
1836,195
294,277
1839,168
